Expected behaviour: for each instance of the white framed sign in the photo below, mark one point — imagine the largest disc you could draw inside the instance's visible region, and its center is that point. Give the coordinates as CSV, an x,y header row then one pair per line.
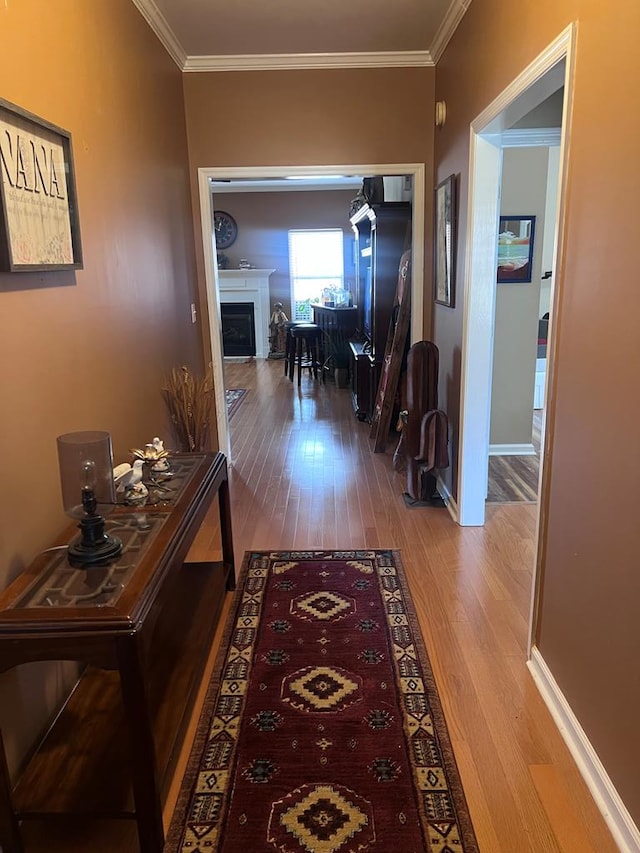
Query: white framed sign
x,y
39,226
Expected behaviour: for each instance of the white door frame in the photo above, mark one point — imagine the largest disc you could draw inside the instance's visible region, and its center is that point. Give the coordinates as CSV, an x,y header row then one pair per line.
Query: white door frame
x,y
485,166
416,170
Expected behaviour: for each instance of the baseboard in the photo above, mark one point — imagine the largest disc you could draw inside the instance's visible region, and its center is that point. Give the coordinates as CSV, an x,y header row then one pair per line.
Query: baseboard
x,y
607,799
512,450
448,498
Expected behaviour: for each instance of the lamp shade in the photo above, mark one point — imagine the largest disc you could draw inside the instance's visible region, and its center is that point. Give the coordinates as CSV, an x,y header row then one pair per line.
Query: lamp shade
x,y
86,462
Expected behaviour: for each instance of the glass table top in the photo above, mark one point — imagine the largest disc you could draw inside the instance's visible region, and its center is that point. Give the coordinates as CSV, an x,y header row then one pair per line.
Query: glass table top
x,y
59,584
166,487
62,585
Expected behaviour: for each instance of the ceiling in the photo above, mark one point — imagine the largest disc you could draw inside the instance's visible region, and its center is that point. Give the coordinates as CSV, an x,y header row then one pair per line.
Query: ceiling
x,y
225,35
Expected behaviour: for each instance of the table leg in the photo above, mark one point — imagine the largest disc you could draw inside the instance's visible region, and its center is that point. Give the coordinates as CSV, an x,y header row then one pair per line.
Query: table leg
x,y
141,744
10,841
226,535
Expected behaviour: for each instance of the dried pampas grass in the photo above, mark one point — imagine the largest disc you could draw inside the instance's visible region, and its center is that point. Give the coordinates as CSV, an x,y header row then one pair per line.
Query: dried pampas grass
x,y
189,402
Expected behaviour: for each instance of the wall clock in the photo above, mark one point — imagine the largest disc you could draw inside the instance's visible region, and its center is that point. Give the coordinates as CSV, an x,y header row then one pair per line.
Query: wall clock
x,y
225,229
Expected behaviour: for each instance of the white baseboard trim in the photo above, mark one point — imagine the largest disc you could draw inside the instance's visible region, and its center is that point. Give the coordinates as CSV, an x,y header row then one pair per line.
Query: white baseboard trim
x,y
447,497
607,799
512,450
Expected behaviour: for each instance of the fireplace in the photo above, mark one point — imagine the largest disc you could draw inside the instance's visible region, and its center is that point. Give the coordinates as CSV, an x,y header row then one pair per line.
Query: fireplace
x,y
249,286
238,328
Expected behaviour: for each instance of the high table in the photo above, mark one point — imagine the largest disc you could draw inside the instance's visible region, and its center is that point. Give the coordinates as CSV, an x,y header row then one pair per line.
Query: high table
x,y
142,624
332,319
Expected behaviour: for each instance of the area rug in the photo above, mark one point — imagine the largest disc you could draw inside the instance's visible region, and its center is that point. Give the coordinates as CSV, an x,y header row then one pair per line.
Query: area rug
x,y
322,731
234,397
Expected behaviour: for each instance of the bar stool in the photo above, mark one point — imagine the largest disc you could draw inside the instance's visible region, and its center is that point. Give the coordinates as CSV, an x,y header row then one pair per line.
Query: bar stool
x,y
290,347
306,340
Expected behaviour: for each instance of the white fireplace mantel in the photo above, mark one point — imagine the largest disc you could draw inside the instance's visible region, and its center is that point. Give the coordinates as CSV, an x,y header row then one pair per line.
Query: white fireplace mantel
x,y
250,286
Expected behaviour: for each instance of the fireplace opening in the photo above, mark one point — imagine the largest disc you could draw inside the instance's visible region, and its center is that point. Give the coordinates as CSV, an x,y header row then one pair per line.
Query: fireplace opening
x,y
238,328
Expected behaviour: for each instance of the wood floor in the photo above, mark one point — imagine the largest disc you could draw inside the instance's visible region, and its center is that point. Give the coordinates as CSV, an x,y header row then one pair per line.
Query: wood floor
x,y
515,478
303,476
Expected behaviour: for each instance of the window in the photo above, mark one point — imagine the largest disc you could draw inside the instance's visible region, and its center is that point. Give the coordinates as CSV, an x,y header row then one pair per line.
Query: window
x,y
316,261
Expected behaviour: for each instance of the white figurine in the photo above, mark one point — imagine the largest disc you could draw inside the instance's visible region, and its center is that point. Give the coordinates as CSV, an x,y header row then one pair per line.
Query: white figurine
x,y
154,452
162,455
277,332
129,479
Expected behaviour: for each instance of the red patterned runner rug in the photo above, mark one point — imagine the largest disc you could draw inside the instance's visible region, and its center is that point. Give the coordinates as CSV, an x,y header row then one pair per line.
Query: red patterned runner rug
x,y
322,731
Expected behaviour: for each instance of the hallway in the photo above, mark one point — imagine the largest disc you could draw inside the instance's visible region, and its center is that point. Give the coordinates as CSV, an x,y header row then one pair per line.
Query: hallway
x,y
303,476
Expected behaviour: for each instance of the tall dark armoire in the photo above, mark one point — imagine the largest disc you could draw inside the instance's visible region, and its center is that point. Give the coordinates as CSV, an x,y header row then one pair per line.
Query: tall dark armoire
x,y
382,233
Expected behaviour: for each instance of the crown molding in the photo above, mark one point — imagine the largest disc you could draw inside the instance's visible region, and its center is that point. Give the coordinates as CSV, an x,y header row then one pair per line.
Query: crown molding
x,y
448,27
297,61
300,61
158,23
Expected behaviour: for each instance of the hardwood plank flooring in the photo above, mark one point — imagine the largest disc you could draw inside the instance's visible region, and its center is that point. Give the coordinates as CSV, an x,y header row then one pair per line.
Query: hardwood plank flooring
x,y
304,476
515,478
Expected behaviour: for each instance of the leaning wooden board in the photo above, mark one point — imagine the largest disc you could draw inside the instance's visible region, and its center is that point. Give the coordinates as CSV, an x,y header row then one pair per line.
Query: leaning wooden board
x,y
394,351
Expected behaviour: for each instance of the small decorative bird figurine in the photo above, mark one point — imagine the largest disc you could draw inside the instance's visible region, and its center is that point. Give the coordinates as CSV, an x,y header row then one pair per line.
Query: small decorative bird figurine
x,y
129,479
153,452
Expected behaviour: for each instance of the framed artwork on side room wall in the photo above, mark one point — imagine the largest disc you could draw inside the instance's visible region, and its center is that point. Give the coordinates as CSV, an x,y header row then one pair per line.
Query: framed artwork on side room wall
x,y
515,249
39,226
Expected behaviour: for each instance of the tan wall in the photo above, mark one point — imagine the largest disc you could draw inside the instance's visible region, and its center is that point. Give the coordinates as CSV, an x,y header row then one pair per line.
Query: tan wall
x,y
87,350
550,216
264,220
300,118
523,193
588,622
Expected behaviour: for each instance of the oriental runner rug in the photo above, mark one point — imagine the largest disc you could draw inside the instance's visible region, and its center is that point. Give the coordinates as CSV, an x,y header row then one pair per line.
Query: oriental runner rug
x,y
322,731
234,397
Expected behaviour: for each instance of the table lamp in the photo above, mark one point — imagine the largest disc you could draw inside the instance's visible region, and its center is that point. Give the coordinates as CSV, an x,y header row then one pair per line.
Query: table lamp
x,y
88,493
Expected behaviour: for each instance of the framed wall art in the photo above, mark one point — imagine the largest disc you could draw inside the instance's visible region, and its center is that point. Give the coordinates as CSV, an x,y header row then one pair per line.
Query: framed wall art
x,y
515,249
445,242
39,226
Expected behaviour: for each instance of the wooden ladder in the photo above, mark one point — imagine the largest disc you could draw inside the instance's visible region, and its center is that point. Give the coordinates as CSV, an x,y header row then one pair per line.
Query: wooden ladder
x,y
393,355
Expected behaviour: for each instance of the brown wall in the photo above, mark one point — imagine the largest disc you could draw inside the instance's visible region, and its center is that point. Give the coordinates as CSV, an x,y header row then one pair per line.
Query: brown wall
x,y
264,220
88,349
588,629
301,118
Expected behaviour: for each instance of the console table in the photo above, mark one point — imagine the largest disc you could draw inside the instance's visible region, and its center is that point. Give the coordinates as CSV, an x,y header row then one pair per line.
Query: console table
x,y
143,625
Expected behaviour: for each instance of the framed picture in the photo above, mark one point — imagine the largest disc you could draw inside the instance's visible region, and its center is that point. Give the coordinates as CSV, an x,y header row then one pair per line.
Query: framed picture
x,y
445,242
515,249
39,227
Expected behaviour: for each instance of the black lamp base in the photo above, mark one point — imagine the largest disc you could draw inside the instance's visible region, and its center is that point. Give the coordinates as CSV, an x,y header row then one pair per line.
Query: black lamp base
x,y
94,545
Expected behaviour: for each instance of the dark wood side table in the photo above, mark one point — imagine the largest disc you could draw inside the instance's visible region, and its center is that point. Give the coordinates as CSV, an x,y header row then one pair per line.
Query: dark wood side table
x,y
143,625
332,319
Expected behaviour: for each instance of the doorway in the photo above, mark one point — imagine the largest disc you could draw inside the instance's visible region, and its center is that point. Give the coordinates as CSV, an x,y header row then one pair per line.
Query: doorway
x,y
552,70
525,274
205,175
